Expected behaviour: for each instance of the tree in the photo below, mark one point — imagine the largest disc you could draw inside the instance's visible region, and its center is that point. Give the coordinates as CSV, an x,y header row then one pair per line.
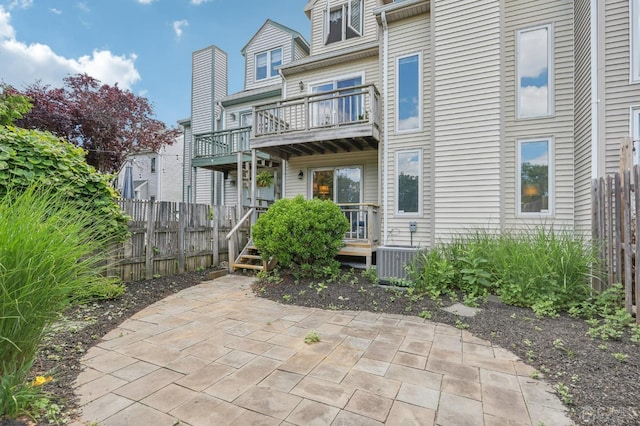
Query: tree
x,y
108,122
12,105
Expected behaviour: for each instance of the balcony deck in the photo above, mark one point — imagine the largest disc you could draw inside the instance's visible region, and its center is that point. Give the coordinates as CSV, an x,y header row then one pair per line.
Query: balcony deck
x,y
343,120
219,150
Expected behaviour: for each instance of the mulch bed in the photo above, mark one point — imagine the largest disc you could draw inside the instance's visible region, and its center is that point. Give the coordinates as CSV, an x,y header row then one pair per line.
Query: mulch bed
x,y
604,391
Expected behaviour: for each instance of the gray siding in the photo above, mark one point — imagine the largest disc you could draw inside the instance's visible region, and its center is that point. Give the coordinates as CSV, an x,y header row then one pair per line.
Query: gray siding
x,y
268,38
521,14
619,94
370,26
408,37
187,170
582,121
467,103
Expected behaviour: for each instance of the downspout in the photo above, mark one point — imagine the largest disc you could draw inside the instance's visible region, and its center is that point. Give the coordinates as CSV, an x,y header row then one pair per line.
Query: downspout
x,y
594,90
385,146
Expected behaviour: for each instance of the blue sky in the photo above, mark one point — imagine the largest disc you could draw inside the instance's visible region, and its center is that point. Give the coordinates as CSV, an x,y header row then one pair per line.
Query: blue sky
x,y
144,45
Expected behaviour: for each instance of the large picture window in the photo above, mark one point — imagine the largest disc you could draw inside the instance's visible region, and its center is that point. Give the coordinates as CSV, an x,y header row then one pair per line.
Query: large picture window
x,y
535,176
343,22
408,181
409,93
266,63
634,13
534,82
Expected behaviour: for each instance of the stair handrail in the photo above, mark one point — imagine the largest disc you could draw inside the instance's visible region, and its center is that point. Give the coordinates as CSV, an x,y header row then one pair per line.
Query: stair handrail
x,y
240,222
233,250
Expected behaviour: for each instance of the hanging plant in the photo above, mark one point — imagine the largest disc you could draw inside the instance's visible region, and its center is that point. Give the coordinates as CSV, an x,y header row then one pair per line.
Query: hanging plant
x,y
264,179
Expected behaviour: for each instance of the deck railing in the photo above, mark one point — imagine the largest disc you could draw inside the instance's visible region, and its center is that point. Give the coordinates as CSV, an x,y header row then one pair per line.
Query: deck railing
x,y
224,142
337,108
363,220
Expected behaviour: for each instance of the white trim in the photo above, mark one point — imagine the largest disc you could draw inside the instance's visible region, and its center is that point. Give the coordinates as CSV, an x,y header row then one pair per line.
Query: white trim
x,y
551,176
420,183
334,79
550,71
634,37
270,69
385,131
634,131
397,93
594,90
310,172
346,10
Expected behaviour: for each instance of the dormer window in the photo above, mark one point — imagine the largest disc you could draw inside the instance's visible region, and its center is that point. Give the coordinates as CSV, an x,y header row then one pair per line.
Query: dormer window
x,y
267,62
343,22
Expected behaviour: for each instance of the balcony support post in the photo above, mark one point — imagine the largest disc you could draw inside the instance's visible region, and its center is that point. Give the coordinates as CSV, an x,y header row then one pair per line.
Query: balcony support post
x,y
239,186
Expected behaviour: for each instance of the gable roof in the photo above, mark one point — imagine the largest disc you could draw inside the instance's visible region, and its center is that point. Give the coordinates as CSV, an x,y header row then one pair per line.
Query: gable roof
x,y
297,37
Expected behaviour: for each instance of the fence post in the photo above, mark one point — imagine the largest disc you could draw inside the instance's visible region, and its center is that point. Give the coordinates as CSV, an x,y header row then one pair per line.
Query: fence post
x,y
636,197
217,214
182,225
628,285
151,227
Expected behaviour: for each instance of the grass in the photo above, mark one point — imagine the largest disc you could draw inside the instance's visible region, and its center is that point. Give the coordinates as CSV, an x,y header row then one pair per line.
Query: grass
x,y
48,258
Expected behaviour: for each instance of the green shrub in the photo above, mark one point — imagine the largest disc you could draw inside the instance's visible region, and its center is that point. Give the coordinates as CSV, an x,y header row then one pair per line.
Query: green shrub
x,y
543,269
31,156
48,255
304,235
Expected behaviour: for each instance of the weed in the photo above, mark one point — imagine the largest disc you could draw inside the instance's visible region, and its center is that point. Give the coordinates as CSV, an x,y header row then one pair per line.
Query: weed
x,y
425,314
535,375
527,342
563,392
621,357
531,355
545,369
320,287
536,328
461,325
558,344
603,347
312,337
286,297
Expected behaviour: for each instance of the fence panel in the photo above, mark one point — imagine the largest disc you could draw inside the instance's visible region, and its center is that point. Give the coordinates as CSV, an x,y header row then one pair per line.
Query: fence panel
x,y
615,204
169,238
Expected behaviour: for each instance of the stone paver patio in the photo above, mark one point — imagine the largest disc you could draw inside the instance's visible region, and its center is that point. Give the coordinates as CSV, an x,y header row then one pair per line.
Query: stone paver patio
x,y
215,354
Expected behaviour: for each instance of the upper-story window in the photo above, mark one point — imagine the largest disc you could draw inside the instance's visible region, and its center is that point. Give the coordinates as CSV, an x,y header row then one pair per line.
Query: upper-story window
x,y
534,87
409,95
635,40
266,63
343,22
153,164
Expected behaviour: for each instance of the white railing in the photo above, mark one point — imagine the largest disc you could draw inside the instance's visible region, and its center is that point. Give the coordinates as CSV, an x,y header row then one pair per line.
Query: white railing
x,y
224,142
363,222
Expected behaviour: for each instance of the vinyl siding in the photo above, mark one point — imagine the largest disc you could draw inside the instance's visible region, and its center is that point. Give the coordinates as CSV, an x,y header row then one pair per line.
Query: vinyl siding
x,y
187,178
582,120
370,27
367,159
268,38
467,106
520,14
369,66
620,94
298,52
407,37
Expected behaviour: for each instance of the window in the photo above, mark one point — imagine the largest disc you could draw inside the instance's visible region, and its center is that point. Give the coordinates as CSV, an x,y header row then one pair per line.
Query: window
x,y
340,185
343,22
534,91
267,62
535,176
153,165
340,107
408,181
409,94
634,13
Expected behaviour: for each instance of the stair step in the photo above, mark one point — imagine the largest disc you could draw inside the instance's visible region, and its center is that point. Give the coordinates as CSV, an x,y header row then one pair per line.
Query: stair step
x,y
251,256
247,266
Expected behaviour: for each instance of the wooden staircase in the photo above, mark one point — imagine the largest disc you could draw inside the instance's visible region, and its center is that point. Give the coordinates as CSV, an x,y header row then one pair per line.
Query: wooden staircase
x,y
249,258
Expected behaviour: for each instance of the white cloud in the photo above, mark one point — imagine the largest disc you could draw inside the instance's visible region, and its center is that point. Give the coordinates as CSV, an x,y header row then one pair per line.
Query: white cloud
x,y
178,26
54,10
83,6
20,3
533,53
23,64
534,101
199,2
145,1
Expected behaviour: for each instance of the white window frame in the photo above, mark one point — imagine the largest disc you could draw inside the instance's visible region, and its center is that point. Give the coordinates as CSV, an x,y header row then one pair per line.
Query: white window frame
x,y
347,14
397,183
550,72
270,67
634,41
420,93
324,169
551,165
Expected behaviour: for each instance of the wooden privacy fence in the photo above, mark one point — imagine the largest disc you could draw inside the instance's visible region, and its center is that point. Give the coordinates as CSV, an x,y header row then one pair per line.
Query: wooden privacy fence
x,y
615,221
169,238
